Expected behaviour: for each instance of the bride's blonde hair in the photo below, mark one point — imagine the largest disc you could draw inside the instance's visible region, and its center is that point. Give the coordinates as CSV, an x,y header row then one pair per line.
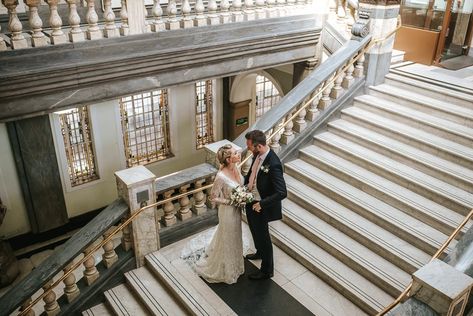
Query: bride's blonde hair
x,y
223,153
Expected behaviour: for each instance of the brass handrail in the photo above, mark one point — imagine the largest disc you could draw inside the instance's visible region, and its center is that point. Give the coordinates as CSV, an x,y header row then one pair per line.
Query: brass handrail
x,y
435,256
90,252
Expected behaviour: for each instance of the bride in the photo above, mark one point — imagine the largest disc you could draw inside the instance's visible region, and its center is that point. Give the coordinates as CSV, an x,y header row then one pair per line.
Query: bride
x,y
222,259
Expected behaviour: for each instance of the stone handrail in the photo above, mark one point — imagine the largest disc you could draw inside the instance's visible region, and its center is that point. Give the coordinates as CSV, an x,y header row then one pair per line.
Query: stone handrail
x,y
62,257
72,22
315,92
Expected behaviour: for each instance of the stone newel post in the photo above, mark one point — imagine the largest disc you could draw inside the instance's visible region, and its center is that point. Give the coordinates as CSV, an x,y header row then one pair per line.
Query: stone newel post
x,y
382,16
136,186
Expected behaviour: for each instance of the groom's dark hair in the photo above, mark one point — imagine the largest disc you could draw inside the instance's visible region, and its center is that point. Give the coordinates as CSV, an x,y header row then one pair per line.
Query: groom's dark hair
x,y
258,137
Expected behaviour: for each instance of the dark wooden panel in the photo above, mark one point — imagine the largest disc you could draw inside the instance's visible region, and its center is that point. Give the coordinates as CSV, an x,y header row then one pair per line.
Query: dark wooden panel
x,y
41,172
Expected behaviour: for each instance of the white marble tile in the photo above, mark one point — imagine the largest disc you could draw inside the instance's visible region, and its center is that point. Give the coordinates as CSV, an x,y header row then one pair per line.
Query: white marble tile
x,y
326,296
305,300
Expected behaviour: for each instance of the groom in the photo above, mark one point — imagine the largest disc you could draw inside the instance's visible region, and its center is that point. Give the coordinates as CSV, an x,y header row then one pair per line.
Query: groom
x,y
265,180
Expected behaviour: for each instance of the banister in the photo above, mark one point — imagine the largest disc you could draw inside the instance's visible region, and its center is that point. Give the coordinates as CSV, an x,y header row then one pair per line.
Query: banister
x,y
62,256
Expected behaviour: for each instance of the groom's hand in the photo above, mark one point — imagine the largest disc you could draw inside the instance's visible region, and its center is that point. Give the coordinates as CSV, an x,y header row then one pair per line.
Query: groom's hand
x,y
257,207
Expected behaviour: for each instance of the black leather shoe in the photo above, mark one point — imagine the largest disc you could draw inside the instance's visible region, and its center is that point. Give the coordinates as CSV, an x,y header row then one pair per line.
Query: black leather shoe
x,y
260,276
253,256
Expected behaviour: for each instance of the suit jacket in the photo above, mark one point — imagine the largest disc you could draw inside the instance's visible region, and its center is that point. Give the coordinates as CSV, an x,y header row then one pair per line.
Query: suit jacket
x,y
271,186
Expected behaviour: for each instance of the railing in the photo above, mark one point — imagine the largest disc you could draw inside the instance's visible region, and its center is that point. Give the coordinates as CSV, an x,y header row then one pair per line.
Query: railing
x,y
295,111
83,23
440,251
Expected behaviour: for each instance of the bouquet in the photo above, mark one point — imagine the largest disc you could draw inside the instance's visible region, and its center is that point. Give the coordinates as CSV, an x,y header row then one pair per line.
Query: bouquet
x,y
241,196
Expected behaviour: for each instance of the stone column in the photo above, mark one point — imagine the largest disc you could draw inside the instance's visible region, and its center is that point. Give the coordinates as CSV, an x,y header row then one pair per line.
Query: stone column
x,y
382,20
303,69
136,16
136,186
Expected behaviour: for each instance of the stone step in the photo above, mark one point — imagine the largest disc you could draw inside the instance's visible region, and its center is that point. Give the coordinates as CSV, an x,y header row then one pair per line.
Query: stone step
x,y
426,104
346,281
397,56
367,263
440,191
428,163
124,303
431,80
98,310
372,236
384,215
433,144
434,189
431,90
431,124
153,294
195,303
426,210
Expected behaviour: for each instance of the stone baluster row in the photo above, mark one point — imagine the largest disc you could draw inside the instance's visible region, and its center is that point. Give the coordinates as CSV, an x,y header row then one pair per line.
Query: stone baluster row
x,y
329,91
184,207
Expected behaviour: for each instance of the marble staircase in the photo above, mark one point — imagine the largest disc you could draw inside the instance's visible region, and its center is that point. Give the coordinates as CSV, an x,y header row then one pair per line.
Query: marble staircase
x,y
161,287
377,192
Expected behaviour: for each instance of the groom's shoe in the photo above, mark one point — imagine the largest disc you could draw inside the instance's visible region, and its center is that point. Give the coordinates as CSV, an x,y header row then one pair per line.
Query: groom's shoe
x,y
253,256
260,276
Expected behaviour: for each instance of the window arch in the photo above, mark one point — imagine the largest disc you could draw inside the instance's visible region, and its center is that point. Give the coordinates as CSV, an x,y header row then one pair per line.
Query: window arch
x,y
267,95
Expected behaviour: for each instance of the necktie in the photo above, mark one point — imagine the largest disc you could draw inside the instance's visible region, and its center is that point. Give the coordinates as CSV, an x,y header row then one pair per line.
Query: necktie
x,y
254,171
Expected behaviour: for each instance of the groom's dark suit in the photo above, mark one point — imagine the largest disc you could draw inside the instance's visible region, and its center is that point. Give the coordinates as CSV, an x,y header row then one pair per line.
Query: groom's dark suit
x,y
272,189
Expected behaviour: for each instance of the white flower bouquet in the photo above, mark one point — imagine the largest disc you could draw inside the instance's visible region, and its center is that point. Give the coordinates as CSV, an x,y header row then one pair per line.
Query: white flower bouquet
x,y
241,196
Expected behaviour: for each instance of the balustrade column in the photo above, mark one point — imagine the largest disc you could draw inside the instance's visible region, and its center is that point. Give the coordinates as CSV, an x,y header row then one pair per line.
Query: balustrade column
x,y
275,141
224,13
91,274
288,134
38,38
200,19
23,307
340,12
260,13
313,111
337,87
348,80
186,21
271,11
299,123
109,256
158,23
55,21
124,28
169,214
184,210
70,290
3,45
237,15
75,34
325,101
199,199
127,242
249,10
51,307
209,190
93,30
281,7
109,17
359,67
172,23
18,40
212,17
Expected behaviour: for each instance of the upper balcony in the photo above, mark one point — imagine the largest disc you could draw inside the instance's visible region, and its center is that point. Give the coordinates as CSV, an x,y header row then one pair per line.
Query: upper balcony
x,y
62,53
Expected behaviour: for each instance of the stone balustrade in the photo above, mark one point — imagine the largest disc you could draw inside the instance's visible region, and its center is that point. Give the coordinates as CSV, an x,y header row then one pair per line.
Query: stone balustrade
x,y
33,23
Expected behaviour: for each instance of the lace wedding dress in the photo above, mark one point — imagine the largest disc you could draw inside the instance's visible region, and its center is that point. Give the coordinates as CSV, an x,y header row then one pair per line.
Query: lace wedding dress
x,y
217,255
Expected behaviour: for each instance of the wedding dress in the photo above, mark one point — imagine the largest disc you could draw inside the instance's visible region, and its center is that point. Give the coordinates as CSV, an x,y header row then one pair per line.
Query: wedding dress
x,y
217,255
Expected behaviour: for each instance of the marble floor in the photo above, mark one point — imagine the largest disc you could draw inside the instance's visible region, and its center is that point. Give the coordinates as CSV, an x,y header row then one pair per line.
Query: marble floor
x,y
462,77
309,290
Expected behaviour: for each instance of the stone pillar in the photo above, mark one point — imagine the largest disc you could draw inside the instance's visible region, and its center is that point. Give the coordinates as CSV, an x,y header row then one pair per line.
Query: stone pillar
x,y
211,151
303,69
382,20
136,16
136,186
